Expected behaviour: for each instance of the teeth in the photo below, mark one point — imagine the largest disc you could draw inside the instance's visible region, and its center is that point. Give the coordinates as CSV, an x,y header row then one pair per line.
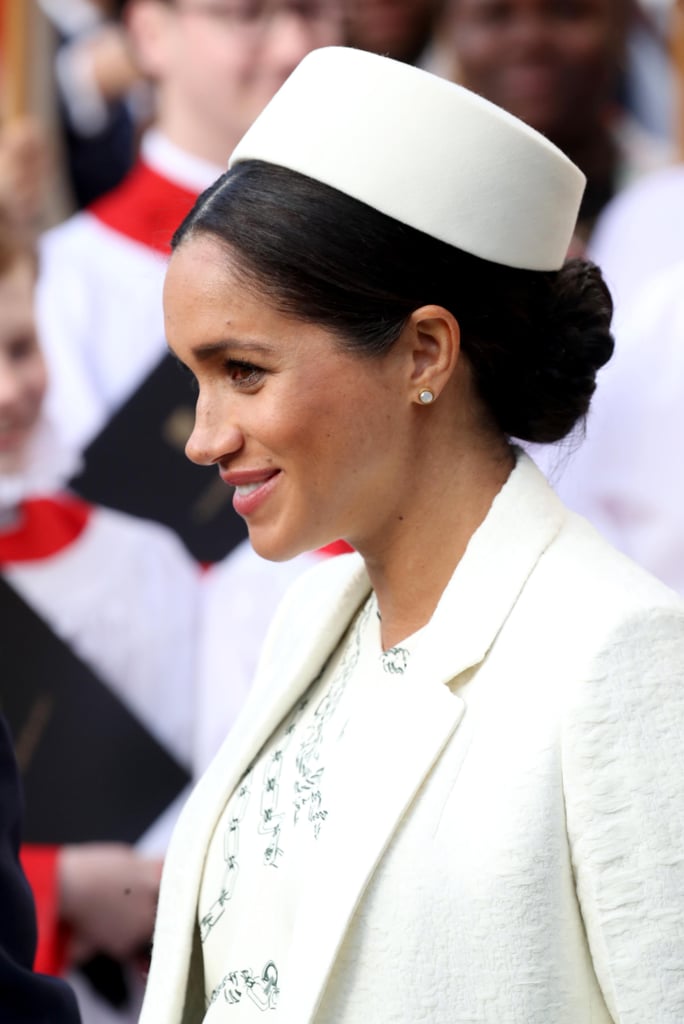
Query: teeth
x,y
245,489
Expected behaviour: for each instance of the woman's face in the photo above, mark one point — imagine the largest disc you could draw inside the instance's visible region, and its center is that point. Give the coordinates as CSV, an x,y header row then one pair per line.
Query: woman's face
x,y
313,438
22,370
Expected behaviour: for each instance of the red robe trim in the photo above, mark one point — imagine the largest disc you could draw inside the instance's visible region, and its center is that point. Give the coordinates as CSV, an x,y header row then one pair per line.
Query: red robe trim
x,y
338,547
40,867
146,207
46,526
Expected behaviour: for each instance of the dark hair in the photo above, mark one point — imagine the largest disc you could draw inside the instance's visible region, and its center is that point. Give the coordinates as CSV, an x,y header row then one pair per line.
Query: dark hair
x,y
535,339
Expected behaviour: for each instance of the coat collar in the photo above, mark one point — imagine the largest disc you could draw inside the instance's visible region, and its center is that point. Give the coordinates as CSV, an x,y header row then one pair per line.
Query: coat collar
x,y
524,519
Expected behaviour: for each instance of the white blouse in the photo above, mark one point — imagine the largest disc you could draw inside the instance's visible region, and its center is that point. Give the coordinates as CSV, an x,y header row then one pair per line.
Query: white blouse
x,y
259,856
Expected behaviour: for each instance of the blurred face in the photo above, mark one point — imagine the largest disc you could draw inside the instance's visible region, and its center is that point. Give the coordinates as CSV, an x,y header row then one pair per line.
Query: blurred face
x,y
553,63
313,438
397,28
22,371
221,61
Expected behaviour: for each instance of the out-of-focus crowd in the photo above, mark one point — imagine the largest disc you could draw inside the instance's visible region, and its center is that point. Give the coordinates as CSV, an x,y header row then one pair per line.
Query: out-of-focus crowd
x,y
135,564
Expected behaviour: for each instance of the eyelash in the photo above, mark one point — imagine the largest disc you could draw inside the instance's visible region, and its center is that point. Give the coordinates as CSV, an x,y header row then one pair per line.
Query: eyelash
x,y
252,376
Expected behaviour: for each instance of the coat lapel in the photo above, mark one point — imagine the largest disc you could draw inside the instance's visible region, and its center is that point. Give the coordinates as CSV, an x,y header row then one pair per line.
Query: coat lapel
x,y
395,748
524,519
288,665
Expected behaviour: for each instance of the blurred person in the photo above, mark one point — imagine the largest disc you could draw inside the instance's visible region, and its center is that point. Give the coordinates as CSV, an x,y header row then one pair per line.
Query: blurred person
x,y
119,597
24,172
557,66
214,64
640,233
25,997
100,92
402,29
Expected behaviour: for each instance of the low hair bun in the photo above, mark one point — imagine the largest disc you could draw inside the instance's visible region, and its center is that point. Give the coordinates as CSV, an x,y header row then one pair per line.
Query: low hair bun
x,y
540,383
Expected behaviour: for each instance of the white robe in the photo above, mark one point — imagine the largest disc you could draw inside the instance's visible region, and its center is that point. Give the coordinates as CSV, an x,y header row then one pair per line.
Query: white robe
x,y
99,299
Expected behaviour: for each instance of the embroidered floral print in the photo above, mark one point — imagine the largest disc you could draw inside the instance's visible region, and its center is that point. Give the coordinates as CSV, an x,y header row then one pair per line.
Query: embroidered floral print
x,y
308,793
261,989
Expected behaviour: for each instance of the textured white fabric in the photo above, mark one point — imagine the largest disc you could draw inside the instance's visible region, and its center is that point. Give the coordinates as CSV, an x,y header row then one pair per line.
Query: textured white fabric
x,y
425,151
512,848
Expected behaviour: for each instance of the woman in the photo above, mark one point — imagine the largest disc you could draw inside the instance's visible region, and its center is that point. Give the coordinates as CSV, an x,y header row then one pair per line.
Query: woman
x,y
455,791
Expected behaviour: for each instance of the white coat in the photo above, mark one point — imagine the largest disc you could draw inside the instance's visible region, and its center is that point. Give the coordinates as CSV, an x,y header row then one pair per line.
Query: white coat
x,y
510,847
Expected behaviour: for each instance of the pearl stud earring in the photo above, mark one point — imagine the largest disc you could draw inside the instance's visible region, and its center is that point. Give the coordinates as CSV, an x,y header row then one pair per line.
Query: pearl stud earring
x,y
426,396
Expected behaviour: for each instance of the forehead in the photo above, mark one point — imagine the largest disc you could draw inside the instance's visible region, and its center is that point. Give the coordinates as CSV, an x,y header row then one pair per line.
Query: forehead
x,y
203,267
207,294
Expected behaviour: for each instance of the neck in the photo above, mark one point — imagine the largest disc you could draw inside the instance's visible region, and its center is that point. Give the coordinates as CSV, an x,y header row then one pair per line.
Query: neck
x,y
193,137
416,557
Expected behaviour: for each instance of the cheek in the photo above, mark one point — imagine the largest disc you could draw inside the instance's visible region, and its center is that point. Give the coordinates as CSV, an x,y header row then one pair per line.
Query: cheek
x,y
33,383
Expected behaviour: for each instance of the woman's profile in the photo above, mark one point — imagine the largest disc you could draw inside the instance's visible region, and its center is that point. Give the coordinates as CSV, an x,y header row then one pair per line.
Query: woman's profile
x,y
455,793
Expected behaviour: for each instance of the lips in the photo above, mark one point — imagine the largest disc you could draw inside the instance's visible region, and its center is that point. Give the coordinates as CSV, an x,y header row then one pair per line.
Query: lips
x,y
252,488
242,478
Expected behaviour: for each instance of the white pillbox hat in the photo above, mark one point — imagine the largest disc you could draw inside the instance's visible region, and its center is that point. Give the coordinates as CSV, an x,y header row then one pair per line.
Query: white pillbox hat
x,y
424,151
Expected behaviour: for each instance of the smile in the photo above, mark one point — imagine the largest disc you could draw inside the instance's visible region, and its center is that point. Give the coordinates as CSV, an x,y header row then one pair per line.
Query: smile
x,y
251,494
244,489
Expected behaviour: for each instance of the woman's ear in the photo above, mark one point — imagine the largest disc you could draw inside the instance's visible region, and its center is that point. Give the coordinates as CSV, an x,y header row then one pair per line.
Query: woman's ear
x,y
433,337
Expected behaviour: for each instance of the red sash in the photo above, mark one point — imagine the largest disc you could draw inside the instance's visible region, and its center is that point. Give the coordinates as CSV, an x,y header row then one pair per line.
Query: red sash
x,y
146,207
46,526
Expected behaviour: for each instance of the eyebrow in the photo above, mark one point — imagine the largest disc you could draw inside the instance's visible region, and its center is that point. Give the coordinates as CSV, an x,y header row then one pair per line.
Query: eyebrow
x,y
204,352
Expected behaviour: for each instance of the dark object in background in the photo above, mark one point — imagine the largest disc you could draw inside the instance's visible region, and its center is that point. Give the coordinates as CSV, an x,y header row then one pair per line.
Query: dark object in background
x,y
90,770
25,997
98,163
137,464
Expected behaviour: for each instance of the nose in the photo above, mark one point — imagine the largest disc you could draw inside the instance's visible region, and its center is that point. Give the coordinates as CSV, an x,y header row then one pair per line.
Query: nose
x,y
215,435
532,33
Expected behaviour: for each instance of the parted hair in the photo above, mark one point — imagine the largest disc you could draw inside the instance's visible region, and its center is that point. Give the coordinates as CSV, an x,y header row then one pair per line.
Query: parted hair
x,y
534,339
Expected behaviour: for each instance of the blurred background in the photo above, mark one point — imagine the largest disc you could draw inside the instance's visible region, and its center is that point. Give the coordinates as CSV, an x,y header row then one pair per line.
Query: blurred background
x,y
75,102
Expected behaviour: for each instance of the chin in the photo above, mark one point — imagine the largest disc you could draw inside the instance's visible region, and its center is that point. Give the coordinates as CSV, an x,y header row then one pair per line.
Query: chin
x,y
12,462
275,549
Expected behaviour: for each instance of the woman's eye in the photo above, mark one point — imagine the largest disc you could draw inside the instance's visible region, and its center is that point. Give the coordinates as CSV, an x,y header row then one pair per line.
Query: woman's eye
x,y
243,374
